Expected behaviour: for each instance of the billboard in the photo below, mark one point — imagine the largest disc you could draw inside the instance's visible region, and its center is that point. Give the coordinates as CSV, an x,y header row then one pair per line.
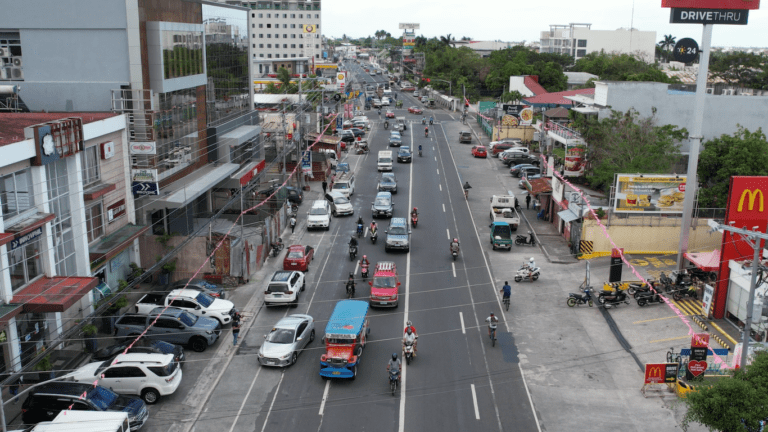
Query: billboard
x,y
654,193
745,208
409,26
575,160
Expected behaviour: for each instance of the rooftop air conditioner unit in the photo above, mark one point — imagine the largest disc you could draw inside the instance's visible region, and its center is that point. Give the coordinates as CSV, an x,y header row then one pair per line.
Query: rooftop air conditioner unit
x,y
5,52
16,61
710,90
5,73
17,73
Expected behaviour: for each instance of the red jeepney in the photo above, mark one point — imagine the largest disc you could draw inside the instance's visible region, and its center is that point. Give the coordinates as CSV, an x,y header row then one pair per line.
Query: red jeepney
x,y
385,285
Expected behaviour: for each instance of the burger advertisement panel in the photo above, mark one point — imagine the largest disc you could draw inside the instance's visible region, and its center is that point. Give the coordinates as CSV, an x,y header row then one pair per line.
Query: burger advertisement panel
x,y
655,193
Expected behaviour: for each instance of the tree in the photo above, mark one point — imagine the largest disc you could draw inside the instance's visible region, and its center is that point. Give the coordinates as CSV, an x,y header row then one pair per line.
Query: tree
x,y
620,67
284,77
741,68
732,404
446,40
625,142
667,43
743,153
513,96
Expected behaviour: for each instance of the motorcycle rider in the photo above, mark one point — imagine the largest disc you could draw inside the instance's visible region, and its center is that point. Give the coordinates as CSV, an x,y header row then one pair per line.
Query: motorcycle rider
x,y
351,282
411,337
419,149
364,262
360,223
431,119
466,187
414,213
423,120
410,328
426,131
394,365
492,321
530,265
352,242
454,245
374,227
386,124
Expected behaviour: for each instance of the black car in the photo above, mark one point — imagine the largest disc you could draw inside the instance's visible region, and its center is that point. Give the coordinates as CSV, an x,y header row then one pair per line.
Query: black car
x,y
347,135
357,132
404,154
388,183
46,401
291,193
143,346
522,159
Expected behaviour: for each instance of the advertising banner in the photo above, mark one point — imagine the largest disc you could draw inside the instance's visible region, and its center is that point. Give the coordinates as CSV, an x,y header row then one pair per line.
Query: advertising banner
x,y
660,373
341,80
144,175
526,116
654,193
145,147
706,300
746,208
558,187
306,163
409,26
575,160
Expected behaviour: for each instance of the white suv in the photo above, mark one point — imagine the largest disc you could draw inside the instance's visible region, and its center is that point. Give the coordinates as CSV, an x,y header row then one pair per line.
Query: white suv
x,y
319,215
284,288
201,304
147,375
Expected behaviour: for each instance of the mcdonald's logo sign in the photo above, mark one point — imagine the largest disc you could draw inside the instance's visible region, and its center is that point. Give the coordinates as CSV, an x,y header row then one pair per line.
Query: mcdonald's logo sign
x,y
655,373
753,195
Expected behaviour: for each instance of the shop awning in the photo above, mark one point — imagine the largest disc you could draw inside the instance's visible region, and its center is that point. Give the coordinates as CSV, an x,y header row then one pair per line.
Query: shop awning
x,y
113,244
707,261
8,311
26,230
184,191
538,186
567,216
55,294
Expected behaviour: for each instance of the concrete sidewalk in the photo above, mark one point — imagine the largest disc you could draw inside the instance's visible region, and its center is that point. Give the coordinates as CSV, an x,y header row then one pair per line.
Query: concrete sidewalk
x,y
551,242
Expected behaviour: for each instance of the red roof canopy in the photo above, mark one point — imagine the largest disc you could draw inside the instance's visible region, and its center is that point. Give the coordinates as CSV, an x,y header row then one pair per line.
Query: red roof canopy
x,y
55,294
13,124
707,261
557,98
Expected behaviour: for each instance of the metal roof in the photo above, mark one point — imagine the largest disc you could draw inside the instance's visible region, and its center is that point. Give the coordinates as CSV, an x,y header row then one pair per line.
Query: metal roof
x,y
347,318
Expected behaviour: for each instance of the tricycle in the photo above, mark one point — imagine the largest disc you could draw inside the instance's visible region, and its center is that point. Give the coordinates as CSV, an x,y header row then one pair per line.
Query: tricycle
x,y
362,147
399,104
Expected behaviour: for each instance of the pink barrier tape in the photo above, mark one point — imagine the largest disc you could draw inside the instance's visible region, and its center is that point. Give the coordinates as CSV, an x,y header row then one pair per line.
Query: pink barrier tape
x,y
218,245
668,302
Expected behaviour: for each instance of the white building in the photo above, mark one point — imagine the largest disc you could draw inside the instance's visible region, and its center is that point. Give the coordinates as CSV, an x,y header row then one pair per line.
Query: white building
x,y
284,33
578,40
484,48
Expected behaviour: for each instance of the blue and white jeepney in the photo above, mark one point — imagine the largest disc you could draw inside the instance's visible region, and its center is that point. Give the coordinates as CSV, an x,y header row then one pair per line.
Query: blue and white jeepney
x,y
345,337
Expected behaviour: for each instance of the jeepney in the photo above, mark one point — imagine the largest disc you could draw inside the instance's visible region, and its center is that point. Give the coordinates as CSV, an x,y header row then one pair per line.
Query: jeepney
x,y
345,337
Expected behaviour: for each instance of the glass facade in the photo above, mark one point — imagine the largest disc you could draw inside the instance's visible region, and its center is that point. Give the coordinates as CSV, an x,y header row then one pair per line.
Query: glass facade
x,y
58,198
24,263
16,193
182,53
176,128
226,56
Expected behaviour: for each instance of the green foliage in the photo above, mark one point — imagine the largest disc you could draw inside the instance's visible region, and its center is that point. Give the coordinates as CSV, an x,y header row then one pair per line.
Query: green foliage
x,y
740,68
519,60
744,153
284,77
44,364
90,330
625,142
621,67
732,404
509,97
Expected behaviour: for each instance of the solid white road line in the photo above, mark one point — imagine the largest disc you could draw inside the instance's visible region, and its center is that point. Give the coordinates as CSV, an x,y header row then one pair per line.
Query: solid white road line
x,y
244,400
461,318
277,390
453,266
401,425
325,397
474,401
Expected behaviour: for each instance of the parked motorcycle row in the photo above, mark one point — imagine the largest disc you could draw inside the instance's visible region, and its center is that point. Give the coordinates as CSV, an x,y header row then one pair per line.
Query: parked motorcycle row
x,y
617,293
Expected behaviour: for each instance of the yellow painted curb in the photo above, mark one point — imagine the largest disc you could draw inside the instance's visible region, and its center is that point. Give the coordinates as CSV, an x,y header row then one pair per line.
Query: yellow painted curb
x,y
608,253
727,336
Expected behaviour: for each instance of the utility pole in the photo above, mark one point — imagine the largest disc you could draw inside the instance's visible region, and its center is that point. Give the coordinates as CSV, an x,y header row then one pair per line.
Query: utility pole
x,y
283,150
755,239
300,170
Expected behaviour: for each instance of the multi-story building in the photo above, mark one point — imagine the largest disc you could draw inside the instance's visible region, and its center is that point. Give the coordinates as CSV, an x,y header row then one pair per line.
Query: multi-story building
x,y
578,40
284,33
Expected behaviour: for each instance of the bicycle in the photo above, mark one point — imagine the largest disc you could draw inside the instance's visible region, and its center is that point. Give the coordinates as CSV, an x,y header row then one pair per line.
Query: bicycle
x,y
506,303
492,335
466,194
673,357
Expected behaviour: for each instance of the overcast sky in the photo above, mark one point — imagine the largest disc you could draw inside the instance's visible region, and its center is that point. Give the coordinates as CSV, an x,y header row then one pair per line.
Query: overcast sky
x,y
515,21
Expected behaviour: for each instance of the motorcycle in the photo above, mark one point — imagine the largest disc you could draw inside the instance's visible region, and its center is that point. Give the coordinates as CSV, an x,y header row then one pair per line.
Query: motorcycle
x,y
430,122
386,125
666,282
350,287
277,247
455,251
362,149
689,291
426,133
394,379
374,236
646,297
408,352
414,219
423,121
352,252
359,230
613,298
635,289
526,273
364,271
578,299
419,152
525,240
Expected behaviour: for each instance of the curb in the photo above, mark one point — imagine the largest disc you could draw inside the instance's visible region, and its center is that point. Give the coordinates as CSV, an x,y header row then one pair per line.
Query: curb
x,y
608,253
727,336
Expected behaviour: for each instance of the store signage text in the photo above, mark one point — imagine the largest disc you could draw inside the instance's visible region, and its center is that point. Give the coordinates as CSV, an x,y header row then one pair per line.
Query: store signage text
x,y
26,238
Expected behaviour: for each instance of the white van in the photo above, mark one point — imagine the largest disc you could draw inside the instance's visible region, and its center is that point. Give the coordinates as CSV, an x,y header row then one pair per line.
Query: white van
x,y
344,185
319,215
384,162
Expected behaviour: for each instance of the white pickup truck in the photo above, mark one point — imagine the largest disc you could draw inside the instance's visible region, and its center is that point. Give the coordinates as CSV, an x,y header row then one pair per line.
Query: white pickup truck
x,y
503,210
195,302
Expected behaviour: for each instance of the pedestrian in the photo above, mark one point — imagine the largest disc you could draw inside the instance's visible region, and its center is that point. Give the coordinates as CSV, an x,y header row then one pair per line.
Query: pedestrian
x,y
325,186
14,389
528,201
293,223
235,329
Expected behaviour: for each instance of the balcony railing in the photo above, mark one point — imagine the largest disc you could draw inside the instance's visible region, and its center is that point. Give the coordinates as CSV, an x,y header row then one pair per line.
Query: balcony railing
x,y
562,131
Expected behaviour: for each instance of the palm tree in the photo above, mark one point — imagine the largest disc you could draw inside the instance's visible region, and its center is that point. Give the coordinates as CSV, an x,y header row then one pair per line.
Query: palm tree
x,y
285,79
667,43
420,41
446,40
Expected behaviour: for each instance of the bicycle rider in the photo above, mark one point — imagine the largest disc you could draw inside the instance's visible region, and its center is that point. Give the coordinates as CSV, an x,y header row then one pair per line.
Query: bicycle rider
x,y
492,321
507,290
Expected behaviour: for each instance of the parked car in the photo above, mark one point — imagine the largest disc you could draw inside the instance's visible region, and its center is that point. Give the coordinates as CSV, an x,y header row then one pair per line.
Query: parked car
x,y
173,326
415,109
284,288
141,346
150,376
500,147
521,183
398,235
382,205
298,257
516,142
340,204
516,169
479,151
528,171
416,93
319,215
387,183
512,159
287,339
404,154
395,139
465,137
358,132
201,285
347,135
46,401
191,300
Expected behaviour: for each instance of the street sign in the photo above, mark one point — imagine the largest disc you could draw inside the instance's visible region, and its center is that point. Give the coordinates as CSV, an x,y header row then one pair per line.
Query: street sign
x,y
686,50
708,16
145,188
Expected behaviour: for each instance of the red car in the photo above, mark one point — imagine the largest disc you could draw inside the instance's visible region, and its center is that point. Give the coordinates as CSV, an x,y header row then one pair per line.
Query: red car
x,y
390,114
298,258
415,110
479,151
498,148
409,89
385,285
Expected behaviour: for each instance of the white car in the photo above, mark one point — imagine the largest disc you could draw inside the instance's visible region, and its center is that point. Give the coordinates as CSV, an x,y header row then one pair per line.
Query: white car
x,y
201,304
319,215
385,101
284,288
340,204
416,93
288,338
147,375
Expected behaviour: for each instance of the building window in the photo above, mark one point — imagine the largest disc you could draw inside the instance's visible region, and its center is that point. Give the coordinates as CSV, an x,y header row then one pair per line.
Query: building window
x,y
285,15
301,26
269,25
301,15
94,222
90,165
261,25
286,56
261,35
261,55
301,36
285,36
293,55
293,36
581,53
317,16
317,46
24,262
16,193
293,45
269,55
254,45
253,15
293,25
285,45
317,56
269,15
261,15
582,43
293,15
253,25
269,35
269,45
277,36
182,53
58,198
285,25
301,45
261,45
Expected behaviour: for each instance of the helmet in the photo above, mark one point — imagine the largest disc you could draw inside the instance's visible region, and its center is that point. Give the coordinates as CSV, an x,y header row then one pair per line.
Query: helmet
x,y
351,274
529,231
408,323
394,356
365,257
414,209
492,314
531,260
455,240
409,330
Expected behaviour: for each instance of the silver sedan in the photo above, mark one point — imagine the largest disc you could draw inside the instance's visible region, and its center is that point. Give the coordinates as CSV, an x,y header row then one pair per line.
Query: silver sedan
x,y
286,340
